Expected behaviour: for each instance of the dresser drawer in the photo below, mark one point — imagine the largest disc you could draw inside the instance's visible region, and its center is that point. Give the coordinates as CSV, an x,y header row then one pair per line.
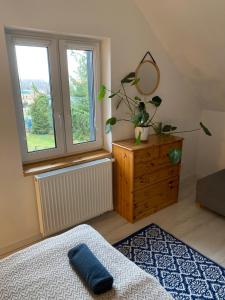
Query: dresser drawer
x,y
146,155
145,211
164,152
155,197
158,191
160,159
146,179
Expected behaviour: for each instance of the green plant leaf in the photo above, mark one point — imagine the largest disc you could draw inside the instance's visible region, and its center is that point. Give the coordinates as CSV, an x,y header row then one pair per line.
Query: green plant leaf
x,y
137,98
175,156
114,94
102,92
112,121
156,101
128,81
135,81
129,78
141,106
205,129
109,123
108,128
136,119
138,139
140,118
144,117
168,128
158,128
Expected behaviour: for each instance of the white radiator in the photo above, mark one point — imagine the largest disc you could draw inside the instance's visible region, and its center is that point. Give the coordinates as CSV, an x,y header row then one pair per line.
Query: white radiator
x,y
73,195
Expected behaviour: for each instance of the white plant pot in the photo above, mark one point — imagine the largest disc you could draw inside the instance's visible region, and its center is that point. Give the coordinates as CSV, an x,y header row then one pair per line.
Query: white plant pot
x,y
144,133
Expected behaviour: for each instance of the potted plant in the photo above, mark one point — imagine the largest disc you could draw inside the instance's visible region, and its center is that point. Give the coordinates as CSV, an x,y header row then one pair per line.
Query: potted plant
x,y
139,116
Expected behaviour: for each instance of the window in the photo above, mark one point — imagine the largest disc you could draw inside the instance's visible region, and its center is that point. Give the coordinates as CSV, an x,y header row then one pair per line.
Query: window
x,y
55,82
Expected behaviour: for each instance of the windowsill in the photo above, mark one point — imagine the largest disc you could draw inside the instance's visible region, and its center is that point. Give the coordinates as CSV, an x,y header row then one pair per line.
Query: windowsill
x,y
62,162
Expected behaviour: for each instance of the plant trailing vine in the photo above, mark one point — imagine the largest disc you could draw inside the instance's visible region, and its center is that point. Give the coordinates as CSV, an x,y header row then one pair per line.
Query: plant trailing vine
x,y
138,114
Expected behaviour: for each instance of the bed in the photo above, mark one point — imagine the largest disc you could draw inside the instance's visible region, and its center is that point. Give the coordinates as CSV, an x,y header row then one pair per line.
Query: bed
x,y
42,271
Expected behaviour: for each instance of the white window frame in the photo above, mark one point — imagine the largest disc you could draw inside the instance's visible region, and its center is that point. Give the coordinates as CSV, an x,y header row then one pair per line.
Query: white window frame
x,y
59,81
94,47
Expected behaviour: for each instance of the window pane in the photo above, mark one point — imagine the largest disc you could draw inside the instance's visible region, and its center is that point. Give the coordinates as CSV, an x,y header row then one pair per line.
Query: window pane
x,y
80,68
33,70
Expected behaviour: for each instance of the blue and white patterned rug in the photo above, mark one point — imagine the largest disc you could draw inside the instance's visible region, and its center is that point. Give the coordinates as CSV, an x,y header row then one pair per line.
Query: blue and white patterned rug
x,y
183,271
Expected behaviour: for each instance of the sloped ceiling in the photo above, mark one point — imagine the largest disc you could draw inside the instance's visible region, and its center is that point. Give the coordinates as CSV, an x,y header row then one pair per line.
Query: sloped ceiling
x,y
193,33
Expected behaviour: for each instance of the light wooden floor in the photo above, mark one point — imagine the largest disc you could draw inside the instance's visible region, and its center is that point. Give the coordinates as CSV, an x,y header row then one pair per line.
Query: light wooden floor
x,y
198,227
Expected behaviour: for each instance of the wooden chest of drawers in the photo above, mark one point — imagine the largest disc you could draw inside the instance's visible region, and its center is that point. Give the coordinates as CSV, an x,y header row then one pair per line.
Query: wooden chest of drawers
x,y
144,178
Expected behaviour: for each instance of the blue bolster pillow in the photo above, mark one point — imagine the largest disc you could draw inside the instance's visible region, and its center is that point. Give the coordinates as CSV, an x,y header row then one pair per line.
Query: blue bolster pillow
x,y
98,279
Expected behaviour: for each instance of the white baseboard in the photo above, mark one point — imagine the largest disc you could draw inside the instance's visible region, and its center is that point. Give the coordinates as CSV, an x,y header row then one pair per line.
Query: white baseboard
x,y
5,251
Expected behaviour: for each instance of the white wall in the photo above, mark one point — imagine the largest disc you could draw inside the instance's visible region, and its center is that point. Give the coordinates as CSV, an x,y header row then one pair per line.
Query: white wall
x,y
211,150
130,37
193,34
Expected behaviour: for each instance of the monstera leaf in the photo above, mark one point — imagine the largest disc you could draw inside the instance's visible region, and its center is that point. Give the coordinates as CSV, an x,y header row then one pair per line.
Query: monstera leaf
x,y
137,98
138,139
156,101
129,78
140,118
141,106
205,129
135,81
144,118
158,128
101,93
168,128
175,156
109,123
136,119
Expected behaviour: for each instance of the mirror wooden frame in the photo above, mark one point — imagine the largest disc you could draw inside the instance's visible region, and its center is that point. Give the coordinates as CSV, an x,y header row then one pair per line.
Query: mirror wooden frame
x,y
158,79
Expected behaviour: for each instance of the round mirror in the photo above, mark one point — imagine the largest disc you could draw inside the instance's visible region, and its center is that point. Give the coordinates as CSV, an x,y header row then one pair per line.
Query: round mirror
x,y
148,75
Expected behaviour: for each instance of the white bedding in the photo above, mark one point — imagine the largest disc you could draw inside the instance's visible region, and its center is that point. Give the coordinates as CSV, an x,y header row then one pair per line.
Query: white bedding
x,y
42,271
